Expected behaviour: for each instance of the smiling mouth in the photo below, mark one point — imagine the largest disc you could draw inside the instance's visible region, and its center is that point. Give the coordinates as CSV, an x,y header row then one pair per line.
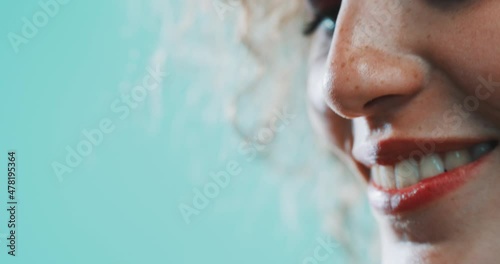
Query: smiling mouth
x,y
400,184
412,171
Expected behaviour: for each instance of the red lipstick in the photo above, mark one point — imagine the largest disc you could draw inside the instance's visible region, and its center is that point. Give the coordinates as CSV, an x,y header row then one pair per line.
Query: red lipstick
x,y
427,190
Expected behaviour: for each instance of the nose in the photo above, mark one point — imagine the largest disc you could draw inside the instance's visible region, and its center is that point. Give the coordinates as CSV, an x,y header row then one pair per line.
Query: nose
x,y
368,75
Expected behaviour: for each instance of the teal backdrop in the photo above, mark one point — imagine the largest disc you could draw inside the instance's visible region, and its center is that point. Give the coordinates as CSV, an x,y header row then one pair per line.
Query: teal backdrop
x,y
121,202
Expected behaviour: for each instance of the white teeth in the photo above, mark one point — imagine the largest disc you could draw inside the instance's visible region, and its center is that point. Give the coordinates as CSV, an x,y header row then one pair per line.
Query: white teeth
x,y
410,172
383,176
431,165
455,159
387,177
406,173
376,175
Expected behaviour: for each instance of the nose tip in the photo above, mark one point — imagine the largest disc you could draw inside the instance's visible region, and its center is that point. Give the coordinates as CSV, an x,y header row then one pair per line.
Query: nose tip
x,y
372,81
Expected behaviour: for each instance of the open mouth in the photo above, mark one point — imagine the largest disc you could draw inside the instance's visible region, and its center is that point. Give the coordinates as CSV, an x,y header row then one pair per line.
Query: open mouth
x,y
399,186
412,171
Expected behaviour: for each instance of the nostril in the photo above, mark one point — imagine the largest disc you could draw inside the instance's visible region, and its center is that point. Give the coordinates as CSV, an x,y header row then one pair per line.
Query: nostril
x,y
386,100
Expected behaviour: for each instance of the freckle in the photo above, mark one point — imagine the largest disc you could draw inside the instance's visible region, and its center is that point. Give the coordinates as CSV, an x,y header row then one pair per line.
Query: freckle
x,y
356,87
428,36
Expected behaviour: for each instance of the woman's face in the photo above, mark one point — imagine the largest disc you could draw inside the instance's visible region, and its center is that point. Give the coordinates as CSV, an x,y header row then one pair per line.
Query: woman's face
x,y
406,92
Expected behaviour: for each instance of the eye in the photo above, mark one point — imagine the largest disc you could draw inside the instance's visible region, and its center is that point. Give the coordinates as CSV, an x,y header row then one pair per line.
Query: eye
x,y
325,20
329,25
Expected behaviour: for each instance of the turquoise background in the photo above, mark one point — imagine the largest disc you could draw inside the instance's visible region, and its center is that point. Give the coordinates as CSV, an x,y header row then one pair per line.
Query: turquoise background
x,y
120,205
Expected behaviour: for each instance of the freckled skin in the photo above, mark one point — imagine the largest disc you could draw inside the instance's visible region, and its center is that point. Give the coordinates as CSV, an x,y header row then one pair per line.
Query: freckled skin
x,y
395,68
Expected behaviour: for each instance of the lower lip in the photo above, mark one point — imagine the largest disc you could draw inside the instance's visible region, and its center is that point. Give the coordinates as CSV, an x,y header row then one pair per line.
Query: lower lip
x,y
424,192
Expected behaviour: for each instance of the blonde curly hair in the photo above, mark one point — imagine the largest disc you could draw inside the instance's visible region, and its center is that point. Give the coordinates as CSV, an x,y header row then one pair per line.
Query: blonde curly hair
x,y
271,74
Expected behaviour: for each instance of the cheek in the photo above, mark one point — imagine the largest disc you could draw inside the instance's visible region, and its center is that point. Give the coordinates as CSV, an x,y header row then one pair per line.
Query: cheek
x,y
471,56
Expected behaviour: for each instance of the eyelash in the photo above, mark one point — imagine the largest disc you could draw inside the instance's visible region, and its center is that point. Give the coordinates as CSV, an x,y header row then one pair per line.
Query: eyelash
x,y
332,14
320,19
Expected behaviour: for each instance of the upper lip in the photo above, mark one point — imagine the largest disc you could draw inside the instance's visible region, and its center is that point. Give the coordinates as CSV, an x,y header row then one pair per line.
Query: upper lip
x,y
393,150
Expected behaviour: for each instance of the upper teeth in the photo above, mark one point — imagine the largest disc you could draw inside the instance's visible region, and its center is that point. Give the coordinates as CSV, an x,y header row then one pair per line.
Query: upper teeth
x,y
409,172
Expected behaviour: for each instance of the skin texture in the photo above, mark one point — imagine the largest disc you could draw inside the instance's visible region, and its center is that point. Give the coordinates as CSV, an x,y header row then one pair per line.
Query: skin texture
x,y
400,69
